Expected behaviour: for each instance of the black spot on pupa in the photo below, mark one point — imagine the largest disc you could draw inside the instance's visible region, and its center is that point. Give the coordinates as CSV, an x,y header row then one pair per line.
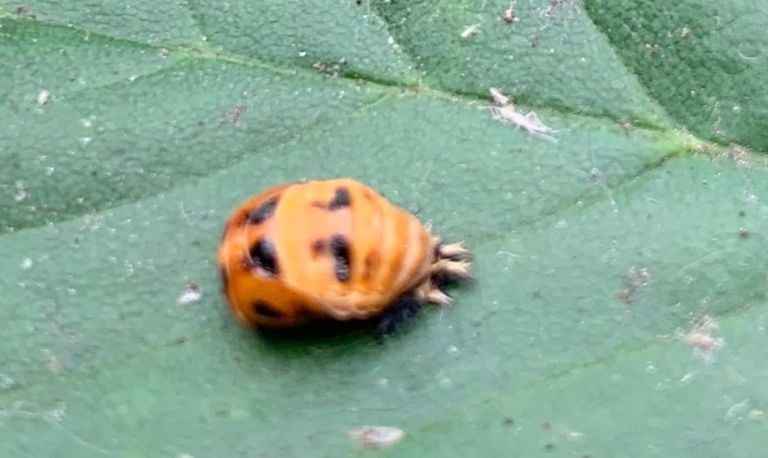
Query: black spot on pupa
x,y
341,199
340,253
264,309
263,255
317,247
264,211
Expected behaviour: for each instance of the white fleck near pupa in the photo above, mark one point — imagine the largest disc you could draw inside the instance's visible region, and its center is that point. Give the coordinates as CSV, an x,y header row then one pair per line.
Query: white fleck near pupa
x,y
190,295
377,436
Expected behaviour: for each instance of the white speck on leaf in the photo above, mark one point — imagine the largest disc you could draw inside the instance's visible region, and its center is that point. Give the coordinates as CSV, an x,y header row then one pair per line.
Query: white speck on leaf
x,y
85,140
21,192
570,434
470,31
634,279
756,415
190,295
509,15
703,339
26,263
43,97
443,380
737,411
377,436
53,364
6,382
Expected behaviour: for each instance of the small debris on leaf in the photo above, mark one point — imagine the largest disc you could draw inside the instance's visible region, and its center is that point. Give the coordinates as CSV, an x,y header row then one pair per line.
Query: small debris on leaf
x,y
743,233
6,382
740,154
191,294
377,436
23,11
235,113
43,96
21,192
509,15
633,280
506,112
737,411
625,125
53,364
332,70
703,339
470,31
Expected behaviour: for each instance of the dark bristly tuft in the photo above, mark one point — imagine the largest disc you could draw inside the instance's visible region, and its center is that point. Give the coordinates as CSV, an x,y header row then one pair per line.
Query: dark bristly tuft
x,y
398,313
443,279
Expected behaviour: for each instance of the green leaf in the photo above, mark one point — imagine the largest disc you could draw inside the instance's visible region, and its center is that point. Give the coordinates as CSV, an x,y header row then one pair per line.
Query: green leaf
x,y
620,305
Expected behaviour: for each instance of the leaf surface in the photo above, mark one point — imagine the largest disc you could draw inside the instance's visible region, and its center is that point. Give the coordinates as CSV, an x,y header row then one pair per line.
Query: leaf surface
x,y
620,302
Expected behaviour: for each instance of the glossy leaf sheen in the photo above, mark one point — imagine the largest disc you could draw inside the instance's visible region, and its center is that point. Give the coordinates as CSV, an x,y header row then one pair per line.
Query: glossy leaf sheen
x,y
620,303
